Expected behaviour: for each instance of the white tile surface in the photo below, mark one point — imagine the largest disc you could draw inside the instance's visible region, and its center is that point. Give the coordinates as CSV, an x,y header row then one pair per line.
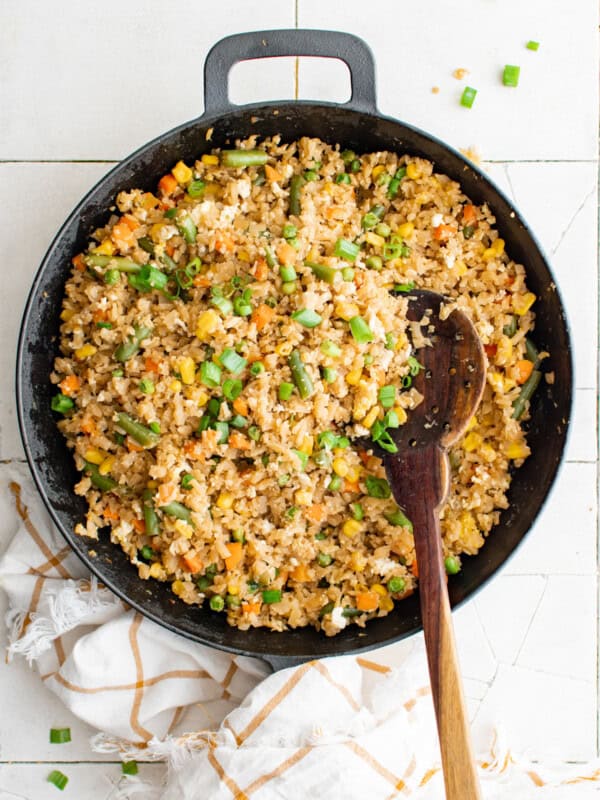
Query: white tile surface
x,y
528,641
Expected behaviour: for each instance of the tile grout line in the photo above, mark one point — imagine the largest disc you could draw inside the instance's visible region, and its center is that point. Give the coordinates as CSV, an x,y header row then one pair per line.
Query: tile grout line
x,y
296,60
597,481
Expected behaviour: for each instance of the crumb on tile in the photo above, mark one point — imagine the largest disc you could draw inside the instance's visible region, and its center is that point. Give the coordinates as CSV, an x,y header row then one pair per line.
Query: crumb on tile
x,y
472,154
460,73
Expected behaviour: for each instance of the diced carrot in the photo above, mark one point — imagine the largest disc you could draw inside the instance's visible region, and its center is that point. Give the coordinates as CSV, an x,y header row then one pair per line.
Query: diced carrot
x,y
149,201
122,236
133,446
262,315
240,441
443,232
240,406
469,214
350,486
79,263
235,555
199,449
251,607
271,174
509,280
193,563
490,350
139,525
89,426
414,568
524,369
367,601
70,385
130,221
300,573
283,576
108,513
100,315
286,254
169,250
150,365
261,270
202,280
364,456
316,512
224,243
167,184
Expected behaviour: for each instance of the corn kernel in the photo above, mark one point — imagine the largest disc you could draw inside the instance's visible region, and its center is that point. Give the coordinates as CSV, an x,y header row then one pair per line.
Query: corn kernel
x,y
175,386
406,230
187,370
471,442
358,562
303,497
379,589
243,255
307,445
498,246
156,570
472,423
233,588
178,588
183,528
66,314
181,172
386,603
377,171
412,171
516,450
401,414
107,465
353,474
340,467
461,268
225,501
94,456
197,394
488,254
85,352
155,231
496,381
105,248
522,303
353,377
284,348
152,485
346,311
371,417
374,239
210,160
207,323
351,527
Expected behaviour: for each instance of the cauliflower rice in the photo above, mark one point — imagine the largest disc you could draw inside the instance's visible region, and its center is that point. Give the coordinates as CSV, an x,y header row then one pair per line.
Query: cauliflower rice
x,y
224,342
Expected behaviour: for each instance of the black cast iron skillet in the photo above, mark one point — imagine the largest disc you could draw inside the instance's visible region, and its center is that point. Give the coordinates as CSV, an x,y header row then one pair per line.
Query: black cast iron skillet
x,y
356,125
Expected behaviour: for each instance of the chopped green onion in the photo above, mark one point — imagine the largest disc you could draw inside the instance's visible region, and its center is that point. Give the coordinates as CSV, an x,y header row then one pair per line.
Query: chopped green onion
x,y
148,278
224,305
196,189
395,248
378,487
348,274
296,184
357,511
130,346
146,386
254,433
243,158
369,221
404,288
242,306
398,518
154,426
217,603
380,435
360,330
320,536
387,396
374,262
257,368
61,403
58,779
232,389
285,391
346,250
383,229
324,272
287,274
222,429
303,458
531,45
178,510
231,361
396,585
343,177
406,382
60,735
452,565
187,228
390,341
468,97
271,596
284,479
300,375
413,366
130,767
238,421
186,480
307,318
140,433
330,349
328,374
210,374
510,76
106,325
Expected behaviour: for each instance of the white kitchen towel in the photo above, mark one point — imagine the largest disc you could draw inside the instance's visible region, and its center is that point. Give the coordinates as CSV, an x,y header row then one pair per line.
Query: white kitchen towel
x,y
347,727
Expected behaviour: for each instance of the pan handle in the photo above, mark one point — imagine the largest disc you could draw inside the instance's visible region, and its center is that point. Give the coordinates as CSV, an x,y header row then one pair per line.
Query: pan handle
x,y
293,42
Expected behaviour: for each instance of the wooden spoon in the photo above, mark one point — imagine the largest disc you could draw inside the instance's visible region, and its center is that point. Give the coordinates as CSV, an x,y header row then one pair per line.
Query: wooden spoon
x,y
452,384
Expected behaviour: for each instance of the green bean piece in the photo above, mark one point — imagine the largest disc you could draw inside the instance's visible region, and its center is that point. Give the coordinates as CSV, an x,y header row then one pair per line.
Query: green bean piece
x,y
511,327
187,228
130,346
300,376
243,158
270,258
324,272
531,352
103,482
146,244
296,185
527,391
352,612
150,515
178,510
327,609
61,403
138,432
118,262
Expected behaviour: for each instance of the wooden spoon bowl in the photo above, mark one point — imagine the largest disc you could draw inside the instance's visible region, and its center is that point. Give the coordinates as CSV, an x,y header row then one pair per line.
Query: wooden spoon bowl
x,y
452,384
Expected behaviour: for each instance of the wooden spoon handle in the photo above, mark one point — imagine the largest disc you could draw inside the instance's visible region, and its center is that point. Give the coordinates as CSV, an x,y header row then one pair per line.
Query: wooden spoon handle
x,y
419,481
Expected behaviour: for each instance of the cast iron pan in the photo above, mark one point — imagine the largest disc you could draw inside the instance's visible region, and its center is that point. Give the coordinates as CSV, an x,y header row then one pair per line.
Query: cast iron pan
x,y
356,125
